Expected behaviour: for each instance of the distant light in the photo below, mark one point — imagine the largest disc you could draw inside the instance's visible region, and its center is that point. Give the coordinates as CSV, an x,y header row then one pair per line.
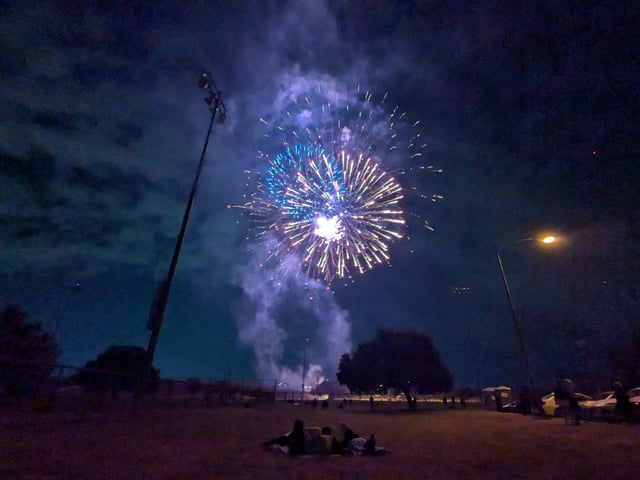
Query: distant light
x,y
549,239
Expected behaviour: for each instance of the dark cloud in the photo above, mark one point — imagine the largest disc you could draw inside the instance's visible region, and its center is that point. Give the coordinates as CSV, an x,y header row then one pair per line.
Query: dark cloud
x,y
36,168
128,133
128,189
55,120
25,228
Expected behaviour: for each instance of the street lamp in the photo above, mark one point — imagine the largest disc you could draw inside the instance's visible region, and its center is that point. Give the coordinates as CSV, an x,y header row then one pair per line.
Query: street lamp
x,y
516,324
159,303
304,363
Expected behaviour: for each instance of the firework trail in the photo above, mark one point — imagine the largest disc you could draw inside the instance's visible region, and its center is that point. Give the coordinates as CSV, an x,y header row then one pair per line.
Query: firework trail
x,y
326,194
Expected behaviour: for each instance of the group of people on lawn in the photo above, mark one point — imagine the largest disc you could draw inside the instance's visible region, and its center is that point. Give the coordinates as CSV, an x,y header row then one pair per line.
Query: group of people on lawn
x,y
320,441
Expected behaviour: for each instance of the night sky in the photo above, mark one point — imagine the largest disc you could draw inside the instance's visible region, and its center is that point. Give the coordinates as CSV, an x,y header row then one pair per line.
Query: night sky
x,y
530,110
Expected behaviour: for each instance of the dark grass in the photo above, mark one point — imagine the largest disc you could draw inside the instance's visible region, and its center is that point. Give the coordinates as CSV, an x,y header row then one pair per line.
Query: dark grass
x,y
181,441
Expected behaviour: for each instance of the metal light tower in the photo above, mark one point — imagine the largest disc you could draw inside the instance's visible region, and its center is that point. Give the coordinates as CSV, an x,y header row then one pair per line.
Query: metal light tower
x,y
159,304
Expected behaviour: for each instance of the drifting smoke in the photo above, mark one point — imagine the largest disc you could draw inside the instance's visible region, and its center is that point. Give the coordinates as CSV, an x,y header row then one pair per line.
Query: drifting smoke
x,y
287,318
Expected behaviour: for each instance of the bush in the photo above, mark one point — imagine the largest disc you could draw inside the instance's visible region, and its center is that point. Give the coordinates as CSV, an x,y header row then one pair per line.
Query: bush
x,y
119,368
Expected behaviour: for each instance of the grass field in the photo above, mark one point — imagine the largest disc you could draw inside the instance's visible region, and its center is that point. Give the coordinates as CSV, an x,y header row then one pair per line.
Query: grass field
x,y
219,443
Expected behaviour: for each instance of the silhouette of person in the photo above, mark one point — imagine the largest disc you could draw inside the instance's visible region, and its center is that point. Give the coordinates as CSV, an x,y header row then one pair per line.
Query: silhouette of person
x,y
623,405
347,435
564,388
331,444
576,409
563,392
370,445
294,440
525,401
498,398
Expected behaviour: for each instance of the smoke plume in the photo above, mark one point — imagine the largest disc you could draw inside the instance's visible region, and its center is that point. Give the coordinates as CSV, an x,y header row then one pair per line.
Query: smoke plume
x,y
290,321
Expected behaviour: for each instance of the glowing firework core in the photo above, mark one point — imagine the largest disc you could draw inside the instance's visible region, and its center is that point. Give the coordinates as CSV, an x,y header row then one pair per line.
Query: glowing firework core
x,y
328,228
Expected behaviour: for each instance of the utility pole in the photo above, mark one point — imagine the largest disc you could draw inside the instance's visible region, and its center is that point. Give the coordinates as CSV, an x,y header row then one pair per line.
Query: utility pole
x,y
516,326
161,297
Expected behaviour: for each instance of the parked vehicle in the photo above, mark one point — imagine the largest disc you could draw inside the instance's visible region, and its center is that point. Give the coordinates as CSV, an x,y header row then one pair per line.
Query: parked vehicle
x,y
634,392
604,406
635,403
601,406
551,408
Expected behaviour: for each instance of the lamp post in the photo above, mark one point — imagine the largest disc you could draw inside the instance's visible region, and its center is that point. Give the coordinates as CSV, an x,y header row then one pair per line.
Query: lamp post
x,y
304,363
516,324
159,303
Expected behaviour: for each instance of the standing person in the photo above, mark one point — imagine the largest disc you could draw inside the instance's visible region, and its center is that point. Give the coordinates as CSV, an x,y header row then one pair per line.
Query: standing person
x,y
563,392
566,399
623,405
371,402
498,398
525,401
576,409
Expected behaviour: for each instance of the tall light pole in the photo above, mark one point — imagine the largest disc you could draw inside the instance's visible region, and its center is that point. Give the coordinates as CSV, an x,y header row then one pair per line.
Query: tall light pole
x,y
516,324
159,303
304,363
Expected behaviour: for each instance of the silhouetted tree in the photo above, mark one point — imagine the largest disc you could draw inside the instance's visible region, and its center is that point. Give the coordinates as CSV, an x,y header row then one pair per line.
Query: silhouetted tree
x,y
405,361
28,353
117,369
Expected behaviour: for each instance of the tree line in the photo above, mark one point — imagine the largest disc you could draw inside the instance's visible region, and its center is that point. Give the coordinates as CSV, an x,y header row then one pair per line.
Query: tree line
x,y
404,361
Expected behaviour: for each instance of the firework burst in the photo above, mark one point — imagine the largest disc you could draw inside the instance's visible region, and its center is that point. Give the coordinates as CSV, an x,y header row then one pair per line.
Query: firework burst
x,y
326,196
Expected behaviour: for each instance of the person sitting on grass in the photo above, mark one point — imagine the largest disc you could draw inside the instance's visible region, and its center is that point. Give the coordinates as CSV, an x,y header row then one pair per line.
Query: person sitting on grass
x,y
354,444
292,442
302,440
331,444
